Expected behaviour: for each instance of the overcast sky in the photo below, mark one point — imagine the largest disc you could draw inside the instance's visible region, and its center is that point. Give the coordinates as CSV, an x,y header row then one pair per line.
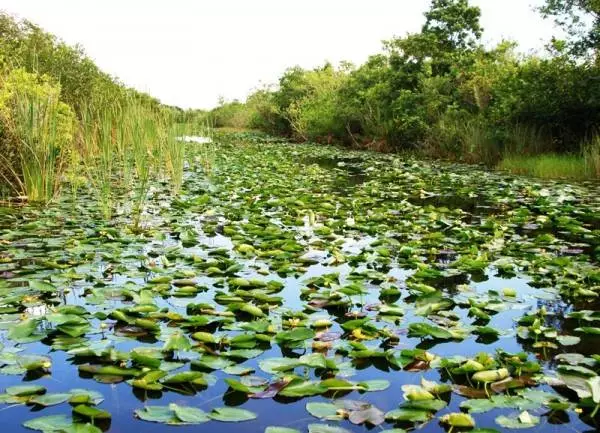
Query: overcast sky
x,y
190,52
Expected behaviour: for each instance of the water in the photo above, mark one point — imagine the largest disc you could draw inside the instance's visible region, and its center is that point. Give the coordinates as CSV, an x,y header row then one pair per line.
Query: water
x,y
436,212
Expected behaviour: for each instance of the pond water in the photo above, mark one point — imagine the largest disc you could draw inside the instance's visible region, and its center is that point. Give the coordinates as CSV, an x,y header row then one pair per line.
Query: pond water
x,y
294,275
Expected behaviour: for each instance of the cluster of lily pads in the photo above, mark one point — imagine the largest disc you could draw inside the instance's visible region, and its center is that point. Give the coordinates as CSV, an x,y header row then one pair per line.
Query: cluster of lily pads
x,y
309,272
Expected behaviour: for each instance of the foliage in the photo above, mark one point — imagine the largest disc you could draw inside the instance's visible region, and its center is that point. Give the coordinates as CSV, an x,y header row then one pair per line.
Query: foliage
x,y
402,330
37,133
581,20
64,121
442,93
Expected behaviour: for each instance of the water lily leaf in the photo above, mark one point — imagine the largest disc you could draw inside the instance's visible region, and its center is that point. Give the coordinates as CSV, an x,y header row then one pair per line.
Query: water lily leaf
x,y
159,414
274,429
91,412
568,340
25,390
50,399
295,335
428,405
276,365
588,330
272,390
189,415
82,428
375,385
84,396
210,362
195,377
325,411
325,428
370,415
177,341
491,375
422,330
238,370
302,388
49,423
461,420
23,330
230,414
408,415
524,420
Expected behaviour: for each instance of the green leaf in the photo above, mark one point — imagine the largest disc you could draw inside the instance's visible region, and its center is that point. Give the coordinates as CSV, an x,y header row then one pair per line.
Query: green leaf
x,y
25,390
461,420
425,330
230,414
49,423
274,429
23,329
524,420
410,415
82,428
160,414
302,388
91,412
325,428
177,341
568,340
50,399
326,411
189,415
375,385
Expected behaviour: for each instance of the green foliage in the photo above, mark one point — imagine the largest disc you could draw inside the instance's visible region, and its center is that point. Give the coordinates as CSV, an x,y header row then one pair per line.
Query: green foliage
x,y
442,93
550,166
62,119
38,130
581,20
230,114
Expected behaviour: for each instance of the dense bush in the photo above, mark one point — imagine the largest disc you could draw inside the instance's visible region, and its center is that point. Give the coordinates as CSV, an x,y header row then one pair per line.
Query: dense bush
x,y
441,92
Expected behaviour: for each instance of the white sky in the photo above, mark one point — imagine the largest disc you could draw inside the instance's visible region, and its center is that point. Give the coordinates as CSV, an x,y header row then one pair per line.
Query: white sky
x,y
190,52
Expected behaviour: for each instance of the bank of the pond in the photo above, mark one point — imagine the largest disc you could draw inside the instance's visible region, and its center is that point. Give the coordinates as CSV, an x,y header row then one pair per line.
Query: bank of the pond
x,y
305,288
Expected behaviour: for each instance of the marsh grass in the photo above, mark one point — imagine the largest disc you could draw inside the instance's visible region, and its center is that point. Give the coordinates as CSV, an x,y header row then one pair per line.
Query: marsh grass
x,y
591,156
123,148
98,154
41,146
173,153
547,166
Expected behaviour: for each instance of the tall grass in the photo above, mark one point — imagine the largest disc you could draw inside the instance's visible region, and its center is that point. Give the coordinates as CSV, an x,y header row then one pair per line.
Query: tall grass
x,y
522,139
173,152
548,166
124,147
42,140
98,153
591,156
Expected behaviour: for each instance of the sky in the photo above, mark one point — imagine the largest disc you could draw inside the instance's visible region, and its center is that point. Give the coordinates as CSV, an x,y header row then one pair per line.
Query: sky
x,y
189,53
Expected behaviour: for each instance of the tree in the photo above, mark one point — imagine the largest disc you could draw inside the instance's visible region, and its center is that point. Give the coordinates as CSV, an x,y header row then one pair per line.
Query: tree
x,y
454,24
581,20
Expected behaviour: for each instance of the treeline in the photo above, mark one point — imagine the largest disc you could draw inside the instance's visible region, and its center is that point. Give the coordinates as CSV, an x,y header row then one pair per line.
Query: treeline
x,y
442,93
63,119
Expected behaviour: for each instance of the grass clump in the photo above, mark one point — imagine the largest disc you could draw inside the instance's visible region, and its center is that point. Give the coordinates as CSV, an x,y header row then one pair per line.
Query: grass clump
x,y
37,131
548,166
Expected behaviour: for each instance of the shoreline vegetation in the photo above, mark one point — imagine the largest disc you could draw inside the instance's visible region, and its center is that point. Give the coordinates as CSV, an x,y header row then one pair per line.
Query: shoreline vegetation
x,y
167,266
441,93
66,124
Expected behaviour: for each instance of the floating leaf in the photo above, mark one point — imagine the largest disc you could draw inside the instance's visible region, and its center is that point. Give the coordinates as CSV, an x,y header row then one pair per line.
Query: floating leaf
x,y
230,414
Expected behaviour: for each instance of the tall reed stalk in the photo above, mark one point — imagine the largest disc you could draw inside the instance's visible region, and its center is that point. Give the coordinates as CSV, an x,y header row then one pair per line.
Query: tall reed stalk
x,y
591,156
43,132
